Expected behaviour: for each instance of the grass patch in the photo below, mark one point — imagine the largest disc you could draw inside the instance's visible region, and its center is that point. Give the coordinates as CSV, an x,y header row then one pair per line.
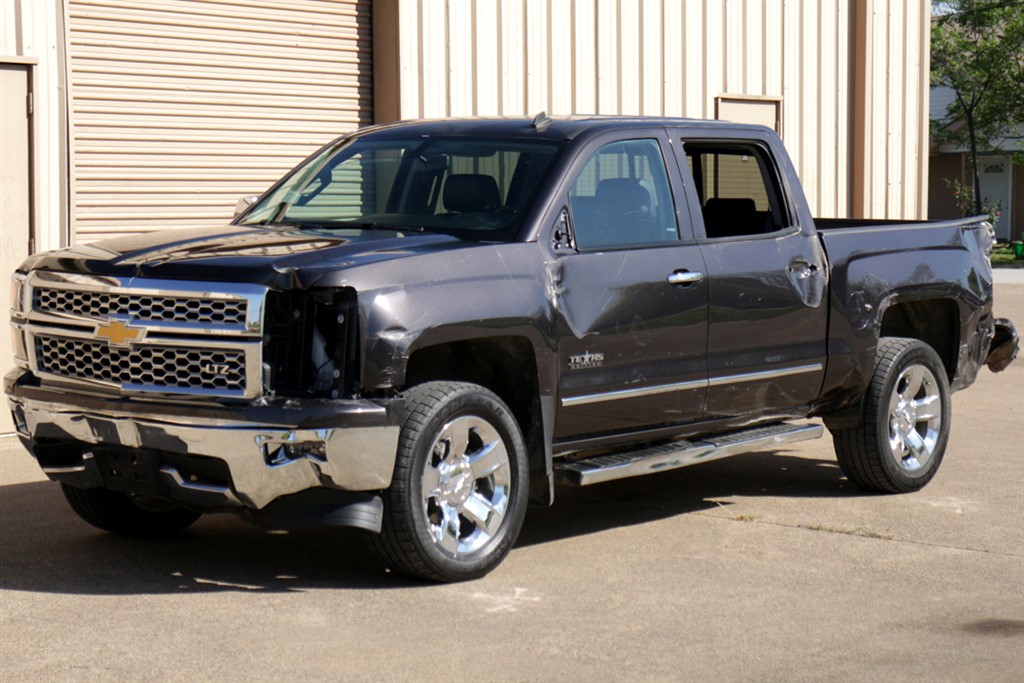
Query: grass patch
x,y
1003,257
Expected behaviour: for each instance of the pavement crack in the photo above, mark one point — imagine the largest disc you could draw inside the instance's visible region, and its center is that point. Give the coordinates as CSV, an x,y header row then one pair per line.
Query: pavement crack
x,y
862,532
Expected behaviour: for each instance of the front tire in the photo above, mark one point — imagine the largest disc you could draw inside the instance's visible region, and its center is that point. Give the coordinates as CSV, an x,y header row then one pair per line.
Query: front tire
x,y
905,425
458,496
125,515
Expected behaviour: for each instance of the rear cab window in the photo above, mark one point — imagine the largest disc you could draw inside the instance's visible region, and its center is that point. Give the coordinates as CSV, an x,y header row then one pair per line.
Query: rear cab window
x,y
738,189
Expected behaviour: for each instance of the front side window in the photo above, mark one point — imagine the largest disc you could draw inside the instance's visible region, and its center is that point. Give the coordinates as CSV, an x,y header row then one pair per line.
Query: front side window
x,y
622,198
471,188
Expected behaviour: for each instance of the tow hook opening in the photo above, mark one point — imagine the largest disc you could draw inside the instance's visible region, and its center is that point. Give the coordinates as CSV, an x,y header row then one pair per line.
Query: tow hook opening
x,y
282,453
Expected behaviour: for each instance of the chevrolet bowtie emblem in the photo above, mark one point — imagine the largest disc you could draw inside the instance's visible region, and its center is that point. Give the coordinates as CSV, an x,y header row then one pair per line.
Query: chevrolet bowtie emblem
x,y
118,333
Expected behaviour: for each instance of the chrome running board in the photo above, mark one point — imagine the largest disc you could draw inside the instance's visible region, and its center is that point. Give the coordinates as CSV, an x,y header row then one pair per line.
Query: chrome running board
x,y
676,454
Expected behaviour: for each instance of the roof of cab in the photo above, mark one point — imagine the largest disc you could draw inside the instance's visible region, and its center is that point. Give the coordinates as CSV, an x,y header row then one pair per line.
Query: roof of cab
x,y
542,127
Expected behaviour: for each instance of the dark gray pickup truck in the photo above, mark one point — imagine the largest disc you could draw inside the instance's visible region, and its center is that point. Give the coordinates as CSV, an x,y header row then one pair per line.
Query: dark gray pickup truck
x,y
426,326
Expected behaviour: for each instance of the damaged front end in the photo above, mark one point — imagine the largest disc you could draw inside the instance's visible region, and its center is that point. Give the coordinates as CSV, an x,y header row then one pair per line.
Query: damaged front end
x,y
212,396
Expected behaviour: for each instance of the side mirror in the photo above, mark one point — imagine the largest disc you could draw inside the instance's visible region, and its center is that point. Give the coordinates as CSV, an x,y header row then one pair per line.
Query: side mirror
x,y
244,203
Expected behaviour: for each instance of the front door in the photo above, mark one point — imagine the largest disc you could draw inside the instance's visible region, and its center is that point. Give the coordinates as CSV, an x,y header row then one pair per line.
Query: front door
x,y
631,298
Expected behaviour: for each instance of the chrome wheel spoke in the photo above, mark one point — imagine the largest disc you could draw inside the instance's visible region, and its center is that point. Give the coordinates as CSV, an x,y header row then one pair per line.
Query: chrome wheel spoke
x,y
916,445
914,377
928,408
457,435
482,513
897,444
489,459
431,482
447,533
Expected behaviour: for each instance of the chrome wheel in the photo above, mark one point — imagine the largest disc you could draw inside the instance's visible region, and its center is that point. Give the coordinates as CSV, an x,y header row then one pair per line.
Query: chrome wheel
x,y
901,439
465,486
457,500
915,418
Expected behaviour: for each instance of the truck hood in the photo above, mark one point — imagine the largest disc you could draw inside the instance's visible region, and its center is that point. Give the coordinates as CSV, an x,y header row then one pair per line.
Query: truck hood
x,y
277,256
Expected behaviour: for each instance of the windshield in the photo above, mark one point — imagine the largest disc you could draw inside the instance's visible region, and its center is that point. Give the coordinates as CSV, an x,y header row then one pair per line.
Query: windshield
x,y
477,188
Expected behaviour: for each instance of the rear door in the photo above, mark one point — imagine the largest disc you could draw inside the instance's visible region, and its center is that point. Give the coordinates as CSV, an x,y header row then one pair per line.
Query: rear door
x,y
767,274
631,294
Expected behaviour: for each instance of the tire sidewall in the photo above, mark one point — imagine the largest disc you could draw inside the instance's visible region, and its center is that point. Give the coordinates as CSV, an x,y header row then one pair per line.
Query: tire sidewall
x,y
480,403
915,354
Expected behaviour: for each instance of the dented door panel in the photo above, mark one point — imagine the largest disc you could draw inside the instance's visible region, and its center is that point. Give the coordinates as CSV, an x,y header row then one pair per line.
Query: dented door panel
x,y
767,323
631,346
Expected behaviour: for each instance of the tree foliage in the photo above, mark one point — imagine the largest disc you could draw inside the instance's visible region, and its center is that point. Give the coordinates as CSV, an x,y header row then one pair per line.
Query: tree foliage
x,y
978,52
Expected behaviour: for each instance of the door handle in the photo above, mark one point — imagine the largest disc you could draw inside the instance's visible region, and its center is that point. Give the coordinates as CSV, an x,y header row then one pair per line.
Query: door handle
x,y
685,278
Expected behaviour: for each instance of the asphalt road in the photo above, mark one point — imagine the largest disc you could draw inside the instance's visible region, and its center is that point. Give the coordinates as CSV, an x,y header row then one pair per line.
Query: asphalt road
x,y
763,567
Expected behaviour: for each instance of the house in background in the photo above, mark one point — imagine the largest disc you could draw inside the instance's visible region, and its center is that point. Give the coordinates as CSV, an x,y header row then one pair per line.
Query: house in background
x,y
1001,181
129,116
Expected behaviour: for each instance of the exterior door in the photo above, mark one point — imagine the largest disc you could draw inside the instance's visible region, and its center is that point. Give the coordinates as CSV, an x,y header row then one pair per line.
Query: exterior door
x,y
15,196
995,174
768,310
632,300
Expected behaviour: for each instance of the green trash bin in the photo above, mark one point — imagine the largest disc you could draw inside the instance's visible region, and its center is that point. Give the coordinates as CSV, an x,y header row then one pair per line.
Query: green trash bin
x,y
1018,251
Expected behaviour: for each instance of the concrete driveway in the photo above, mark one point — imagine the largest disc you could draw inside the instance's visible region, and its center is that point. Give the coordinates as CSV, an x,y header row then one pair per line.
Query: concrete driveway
x,y
763,567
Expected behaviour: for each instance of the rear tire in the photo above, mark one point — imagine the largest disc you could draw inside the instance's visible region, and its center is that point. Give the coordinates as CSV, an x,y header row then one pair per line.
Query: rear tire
x,y
459,492
902,438
125,515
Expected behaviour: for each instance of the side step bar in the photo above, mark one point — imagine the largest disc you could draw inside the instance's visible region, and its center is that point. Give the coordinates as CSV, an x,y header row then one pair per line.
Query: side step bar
x,y
676,454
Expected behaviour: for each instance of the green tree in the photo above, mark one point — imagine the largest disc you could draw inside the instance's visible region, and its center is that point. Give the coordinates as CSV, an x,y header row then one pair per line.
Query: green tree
x,y
978,52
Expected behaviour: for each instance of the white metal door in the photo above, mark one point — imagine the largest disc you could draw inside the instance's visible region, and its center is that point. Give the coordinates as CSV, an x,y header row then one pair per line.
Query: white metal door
x,y
15,197
995,188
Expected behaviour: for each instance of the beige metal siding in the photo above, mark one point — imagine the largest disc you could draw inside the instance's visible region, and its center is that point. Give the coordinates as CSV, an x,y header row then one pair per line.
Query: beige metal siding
x,y
181,107
670,57
890,149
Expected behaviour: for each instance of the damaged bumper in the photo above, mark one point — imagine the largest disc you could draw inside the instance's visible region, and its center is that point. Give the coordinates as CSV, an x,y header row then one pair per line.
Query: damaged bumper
x,y
1004,347
208,457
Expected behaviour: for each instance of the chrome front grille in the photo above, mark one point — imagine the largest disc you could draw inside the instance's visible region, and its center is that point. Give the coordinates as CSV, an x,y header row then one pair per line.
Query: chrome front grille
x,y
147,367
143,308
138,336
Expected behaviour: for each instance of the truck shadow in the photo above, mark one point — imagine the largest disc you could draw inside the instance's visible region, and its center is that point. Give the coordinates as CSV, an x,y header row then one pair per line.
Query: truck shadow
x,y
44,547
580,511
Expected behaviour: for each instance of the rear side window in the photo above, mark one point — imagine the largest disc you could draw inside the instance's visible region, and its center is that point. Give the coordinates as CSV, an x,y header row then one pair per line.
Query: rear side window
x,y
622,197
738,189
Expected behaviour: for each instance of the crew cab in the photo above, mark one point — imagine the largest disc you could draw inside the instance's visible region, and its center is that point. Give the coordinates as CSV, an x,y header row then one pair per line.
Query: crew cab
x,y
428,325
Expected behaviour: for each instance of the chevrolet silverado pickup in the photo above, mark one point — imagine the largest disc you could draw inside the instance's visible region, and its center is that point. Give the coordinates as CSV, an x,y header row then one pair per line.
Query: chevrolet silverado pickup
x,y
426,326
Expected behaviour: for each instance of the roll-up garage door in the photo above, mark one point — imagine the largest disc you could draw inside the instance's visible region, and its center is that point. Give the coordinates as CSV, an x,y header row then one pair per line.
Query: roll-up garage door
x,y
180,107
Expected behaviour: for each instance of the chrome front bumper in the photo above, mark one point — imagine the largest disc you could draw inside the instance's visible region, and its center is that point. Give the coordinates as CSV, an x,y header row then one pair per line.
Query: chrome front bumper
x,y
269,451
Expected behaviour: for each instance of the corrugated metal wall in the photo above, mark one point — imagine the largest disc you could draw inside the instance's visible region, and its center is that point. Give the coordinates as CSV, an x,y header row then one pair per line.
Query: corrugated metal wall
x,y
892,51
181,107
674,57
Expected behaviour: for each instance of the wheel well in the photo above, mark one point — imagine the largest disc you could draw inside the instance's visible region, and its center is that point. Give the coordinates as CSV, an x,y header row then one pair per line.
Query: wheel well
x,y
505,365
934,321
